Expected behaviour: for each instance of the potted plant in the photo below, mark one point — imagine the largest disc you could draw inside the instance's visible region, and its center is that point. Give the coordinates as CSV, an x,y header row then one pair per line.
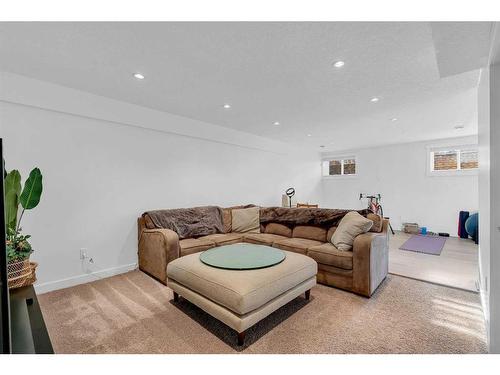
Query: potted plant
x,y
19,269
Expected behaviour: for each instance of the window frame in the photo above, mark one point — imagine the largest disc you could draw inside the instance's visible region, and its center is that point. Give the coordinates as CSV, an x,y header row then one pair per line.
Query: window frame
x,y
341,158
450,172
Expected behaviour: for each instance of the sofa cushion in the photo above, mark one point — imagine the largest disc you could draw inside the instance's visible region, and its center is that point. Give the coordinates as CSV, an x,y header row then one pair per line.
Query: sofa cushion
x,y
241,291
246,220
330,255
262,238
280,229
194,245
221,239
309,232
330,233
334,276
226,220
351,226
297,245
227,217
377,222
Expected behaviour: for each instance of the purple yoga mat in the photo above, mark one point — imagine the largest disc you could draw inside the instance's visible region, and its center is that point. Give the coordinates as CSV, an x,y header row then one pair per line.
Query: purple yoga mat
x,y
424,244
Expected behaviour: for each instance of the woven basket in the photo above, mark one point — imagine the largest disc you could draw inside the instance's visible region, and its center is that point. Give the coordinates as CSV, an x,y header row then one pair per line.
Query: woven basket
x,y
21,273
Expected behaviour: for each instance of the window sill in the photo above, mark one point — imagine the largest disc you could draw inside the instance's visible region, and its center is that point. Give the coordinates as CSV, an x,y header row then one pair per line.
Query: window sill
x,y
340,176
459,173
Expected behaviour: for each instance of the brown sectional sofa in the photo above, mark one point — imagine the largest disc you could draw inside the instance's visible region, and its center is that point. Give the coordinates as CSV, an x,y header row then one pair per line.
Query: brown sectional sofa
x,y
360,271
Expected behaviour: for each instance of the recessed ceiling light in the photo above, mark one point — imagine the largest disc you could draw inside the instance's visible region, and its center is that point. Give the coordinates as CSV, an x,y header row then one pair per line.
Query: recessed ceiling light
x,y
276,123
139,76
309,135
394,119
374,99
227,106
458,127
339,64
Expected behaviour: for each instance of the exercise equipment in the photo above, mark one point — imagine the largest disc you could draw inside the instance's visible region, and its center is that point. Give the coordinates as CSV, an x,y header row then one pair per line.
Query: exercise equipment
x,y
373,203
472,227
375,206
462,218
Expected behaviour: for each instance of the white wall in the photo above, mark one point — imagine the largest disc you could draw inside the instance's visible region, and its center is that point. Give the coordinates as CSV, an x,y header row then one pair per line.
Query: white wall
x,y
489,189
494,225
489,203
484,189
409,194
101,172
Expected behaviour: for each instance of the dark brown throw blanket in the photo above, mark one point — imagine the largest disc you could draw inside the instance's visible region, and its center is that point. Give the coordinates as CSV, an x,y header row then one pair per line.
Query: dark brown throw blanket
x,y
189,222
321,217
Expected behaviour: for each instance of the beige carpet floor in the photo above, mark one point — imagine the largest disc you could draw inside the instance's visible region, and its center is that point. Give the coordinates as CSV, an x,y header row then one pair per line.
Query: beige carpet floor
x,y
132,313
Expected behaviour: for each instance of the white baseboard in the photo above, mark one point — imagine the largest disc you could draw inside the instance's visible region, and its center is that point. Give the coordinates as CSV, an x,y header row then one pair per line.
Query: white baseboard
x,y
82,279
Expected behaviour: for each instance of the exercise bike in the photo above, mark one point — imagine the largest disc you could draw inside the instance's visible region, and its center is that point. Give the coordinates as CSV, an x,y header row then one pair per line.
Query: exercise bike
x,y
375,206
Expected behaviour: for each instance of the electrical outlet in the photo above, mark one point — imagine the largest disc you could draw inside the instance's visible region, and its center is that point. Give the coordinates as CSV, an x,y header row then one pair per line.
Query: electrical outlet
x,y
83,253
85,256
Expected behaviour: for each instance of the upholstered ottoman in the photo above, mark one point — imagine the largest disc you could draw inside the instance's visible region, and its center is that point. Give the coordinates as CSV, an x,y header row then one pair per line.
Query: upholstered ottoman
x,y
241,298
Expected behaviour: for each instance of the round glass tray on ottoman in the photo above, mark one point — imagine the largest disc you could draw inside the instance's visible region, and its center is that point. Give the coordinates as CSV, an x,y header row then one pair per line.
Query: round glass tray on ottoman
x,y
242,256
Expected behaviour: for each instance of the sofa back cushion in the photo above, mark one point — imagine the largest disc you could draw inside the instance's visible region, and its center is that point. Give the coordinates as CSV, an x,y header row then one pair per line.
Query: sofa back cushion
x,y
377,222
245,220
351,226
280,229
330,233
227,219
309,232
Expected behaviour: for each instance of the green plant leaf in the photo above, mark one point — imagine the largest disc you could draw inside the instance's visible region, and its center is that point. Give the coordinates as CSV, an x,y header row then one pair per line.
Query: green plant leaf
x,y
13,182
12,186
11,205
30,197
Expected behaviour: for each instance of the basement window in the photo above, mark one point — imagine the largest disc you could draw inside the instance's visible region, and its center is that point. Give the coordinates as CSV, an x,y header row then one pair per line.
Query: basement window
x,y
341,166
453,160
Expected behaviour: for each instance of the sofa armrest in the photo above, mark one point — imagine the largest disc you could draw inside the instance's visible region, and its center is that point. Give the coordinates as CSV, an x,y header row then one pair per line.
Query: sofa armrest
x,y
370,262
157,247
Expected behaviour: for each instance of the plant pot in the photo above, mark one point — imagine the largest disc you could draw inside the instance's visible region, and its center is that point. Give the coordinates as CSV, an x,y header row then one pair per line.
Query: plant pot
x,y
21,273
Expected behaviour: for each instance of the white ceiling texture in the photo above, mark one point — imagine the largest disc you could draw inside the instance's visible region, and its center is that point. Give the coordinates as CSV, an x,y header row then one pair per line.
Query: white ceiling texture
x,y
424,74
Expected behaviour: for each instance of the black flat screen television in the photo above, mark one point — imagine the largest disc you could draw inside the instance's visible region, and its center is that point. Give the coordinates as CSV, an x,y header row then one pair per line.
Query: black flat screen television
x,y
5,337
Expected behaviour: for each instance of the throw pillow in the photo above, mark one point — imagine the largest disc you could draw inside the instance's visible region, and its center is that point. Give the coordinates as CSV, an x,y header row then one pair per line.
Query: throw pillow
x,y
351,225
227,217
246,220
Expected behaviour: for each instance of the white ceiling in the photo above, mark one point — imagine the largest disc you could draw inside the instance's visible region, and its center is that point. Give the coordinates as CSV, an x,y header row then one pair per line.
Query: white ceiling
x,y
425,74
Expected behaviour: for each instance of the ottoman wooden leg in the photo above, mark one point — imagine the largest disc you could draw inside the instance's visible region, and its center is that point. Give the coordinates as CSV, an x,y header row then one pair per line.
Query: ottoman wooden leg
x,y
308,294
241,338
176,297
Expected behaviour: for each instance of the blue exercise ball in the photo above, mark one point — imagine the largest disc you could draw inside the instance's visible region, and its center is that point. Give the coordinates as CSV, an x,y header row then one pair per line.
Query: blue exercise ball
x,y
471,226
